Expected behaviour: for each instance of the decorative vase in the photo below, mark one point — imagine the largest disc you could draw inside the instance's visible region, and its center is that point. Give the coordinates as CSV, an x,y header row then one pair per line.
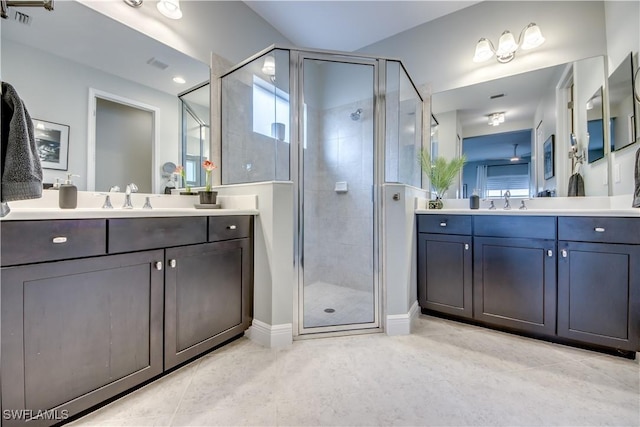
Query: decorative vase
x,y
208,197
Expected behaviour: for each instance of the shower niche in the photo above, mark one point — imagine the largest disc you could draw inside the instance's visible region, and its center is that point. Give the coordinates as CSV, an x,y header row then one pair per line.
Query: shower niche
x,y
338,126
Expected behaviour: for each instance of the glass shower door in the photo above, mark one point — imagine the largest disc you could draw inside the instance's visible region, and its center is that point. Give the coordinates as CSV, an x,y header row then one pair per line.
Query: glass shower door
x,y
338,285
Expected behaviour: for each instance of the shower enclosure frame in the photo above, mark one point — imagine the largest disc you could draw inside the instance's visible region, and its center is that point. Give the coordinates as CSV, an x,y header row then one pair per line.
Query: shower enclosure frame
x,y
296,137
296,61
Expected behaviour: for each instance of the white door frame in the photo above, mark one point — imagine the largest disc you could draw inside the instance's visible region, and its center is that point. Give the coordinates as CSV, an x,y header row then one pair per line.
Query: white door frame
x,y
94,94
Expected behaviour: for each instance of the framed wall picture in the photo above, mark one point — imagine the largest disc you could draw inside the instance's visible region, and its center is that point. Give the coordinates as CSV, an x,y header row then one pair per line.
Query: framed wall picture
x,y
52,142
549,169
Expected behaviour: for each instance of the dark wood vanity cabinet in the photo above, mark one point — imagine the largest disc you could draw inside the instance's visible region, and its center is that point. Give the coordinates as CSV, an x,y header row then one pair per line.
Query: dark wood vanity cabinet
x,y
599,281
515,272
573,278
139,296
444,266
207,297
77,332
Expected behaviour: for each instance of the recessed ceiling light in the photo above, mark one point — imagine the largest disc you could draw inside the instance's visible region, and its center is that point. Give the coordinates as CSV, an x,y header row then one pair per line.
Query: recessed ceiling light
x,y
179,80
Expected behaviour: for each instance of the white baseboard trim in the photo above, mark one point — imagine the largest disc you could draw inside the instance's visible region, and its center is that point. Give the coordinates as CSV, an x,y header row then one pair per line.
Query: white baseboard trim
x,y
270,336
400,324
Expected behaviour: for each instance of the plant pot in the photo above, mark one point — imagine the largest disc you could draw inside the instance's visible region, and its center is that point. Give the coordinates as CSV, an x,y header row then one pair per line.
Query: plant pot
x,y
188,193
436,204
208,197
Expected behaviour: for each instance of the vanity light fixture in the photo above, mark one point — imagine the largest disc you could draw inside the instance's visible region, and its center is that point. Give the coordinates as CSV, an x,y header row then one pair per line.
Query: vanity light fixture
x,y
269,67
179,80
530,37
133,3
170,8
515,157
496,118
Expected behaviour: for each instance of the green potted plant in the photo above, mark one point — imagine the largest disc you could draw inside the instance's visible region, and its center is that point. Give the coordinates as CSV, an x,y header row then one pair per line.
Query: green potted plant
x,y
441,173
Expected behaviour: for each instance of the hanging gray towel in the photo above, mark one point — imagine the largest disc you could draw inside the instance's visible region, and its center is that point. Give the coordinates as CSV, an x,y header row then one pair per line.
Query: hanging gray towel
x,y
576,185
21,169
636,193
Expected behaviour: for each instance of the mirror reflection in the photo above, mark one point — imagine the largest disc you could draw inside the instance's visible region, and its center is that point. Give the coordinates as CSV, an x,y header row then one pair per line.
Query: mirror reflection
x,y
621,105
504,123
595,126
66,79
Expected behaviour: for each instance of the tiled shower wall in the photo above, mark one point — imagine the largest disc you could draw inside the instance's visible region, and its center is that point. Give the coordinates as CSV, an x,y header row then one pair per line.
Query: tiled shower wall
x,y
338,227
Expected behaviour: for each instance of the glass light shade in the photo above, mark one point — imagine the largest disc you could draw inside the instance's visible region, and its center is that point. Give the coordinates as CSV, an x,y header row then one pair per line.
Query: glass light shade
x,y
507,44
170,8
532,37
269,66
483,51
495,119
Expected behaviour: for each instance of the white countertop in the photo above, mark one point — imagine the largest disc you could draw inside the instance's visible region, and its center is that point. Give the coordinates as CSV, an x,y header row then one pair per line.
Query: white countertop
x,y
17,214
89,206
531,212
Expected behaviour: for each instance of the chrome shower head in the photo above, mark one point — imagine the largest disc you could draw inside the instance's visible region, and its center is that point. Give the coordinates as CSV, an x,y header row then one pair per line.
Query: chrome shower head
x,y
355,116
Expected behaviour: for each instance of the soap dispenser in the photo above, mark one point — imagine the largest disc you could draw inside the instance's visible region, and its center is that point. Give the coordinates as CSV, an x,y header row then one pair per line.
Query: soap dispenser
x,y
474,200
68,197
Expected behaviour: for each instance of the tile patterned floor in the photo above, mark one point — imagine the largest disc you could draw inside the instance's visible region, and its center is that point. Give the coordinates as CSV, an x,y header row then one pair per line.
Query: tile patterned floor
x,y
445,374
350,305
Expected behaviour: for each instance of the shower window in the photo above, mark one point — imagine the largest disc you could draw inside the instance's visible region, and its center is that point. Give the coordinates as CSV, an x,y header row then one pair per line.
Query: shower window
x,y
269,104
256,120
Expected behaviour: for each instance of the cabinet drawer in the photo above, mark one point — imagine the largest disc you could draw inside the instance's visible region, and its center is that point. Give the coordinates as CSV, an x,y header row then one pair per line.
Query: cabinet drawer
x,y
134,234
36,241
444,224
229,227
525,227
599,229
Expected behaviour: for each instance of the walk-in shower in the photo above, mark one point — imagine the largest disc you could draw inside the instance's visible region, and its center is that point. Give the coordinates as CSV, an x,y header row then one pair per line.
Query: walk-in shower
x,y
337,125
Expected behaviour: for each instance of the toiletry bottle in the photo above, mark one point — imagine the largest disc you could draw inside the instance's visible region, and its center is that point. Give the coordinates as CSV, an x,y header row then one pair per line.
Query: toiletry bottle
x,y
474,200
68,197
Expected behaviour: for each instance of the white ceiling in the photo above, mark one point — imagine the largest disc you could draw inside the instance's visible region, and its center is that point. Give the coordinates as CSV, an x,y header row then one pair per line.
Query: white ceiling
x,y
349,25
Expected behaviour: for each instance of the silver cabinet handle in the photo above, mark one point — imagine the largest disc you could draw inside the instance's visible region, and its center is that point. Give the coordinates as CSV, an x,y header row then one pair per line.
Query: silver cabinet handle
x,y
549,253
231,227
466,246
157,265
599,229
60,239
443,224
564,253
172,263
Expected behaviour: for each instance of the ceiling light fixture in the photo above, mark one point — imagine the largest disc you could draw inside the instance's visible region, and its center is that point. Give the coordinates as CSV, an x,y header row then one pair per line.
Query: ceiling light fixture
x,y
170,8
133,3
179,80
530,37
515,157
496,118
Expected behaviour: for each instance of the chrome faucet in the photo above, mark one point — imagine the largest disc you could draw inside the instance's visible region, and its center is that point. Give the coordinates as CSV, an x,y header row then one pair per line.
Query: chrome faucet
x,y
131,188
507,205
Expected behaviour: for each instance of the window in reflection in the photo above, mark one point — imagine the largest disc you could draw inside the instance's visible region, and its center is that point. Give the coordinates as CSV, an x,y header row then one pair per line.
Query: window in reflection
x,y
497,163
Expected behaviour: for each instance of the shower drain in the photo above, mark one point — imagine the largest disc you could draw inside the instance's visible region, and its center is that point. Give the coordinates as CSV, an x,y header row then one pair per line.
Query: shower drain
x,y
329,310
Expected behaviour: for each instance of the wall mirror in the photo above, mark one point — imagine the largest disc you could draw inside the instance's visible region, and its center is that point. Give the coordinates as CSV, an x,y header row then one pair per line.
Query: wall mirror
x,y
595,126
504,124
56,60
622,109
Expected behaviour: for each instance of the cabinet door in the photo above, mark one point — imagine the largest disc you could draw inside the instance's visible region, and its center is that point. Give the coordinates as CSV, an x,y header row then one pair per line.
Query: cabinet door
x,y
515,283
599,294
444,274
207,297
75,333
